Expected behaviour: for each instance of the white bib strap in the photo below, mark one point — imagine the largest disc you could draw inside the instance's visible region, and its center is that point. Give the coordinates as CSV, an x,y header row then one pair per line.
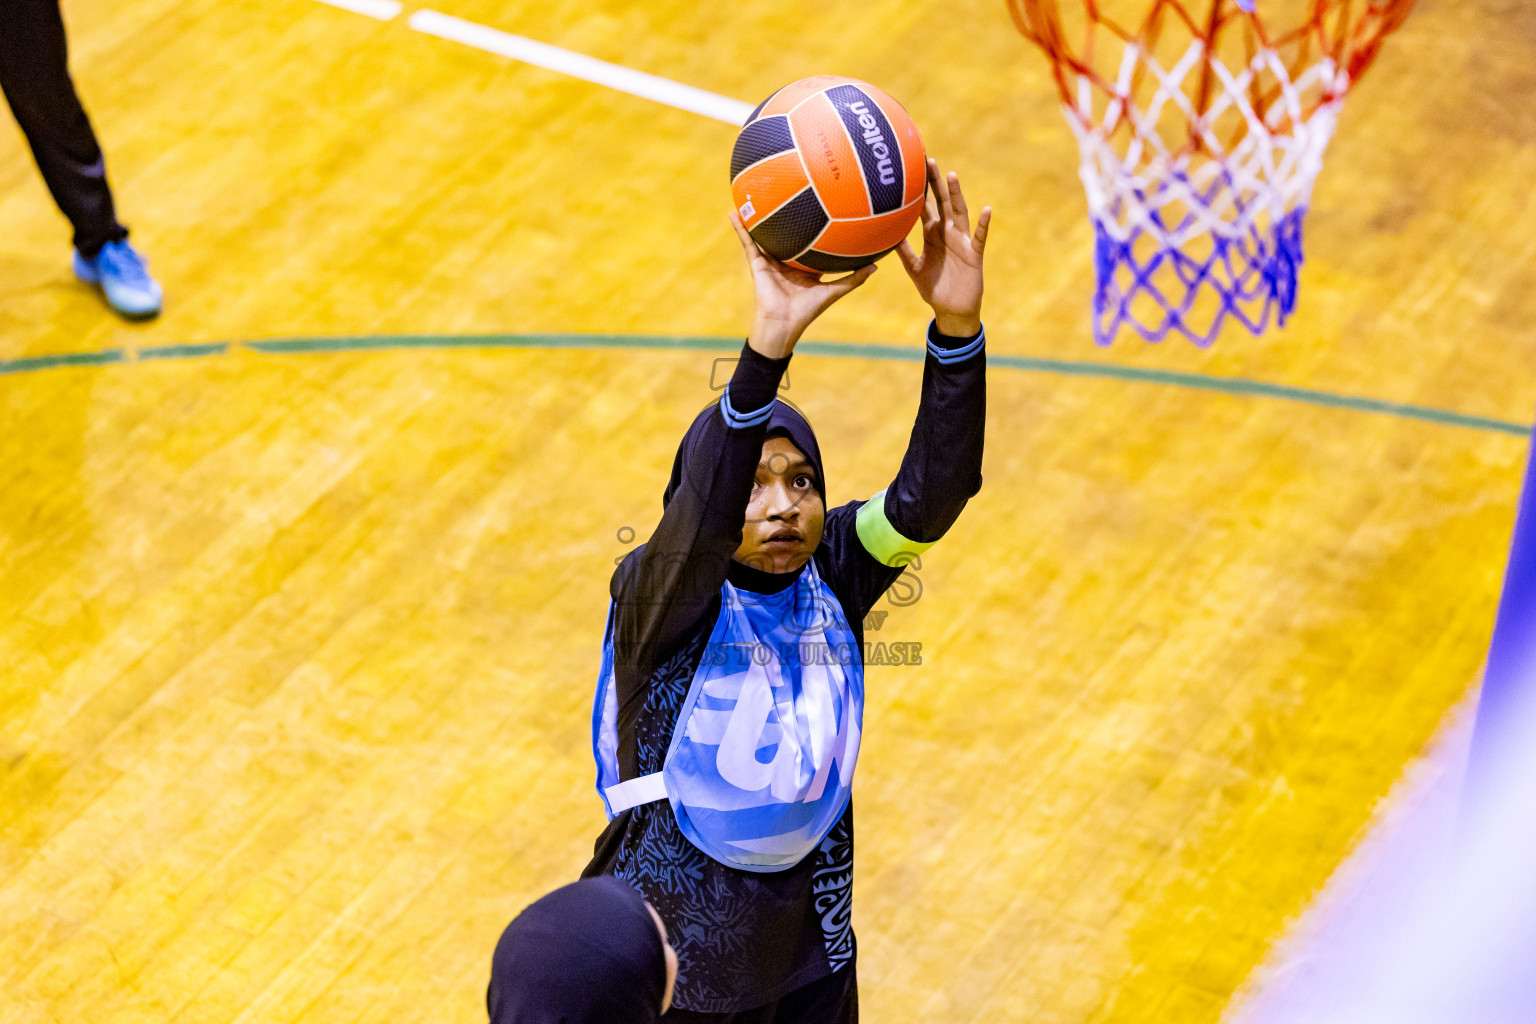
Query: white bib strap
x,y
643,790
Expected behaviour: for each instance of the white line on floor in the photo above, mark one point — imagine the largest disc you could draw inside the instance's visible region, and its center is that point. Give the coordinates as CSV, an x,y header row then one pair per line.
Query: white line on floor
x,y
384,10
615,76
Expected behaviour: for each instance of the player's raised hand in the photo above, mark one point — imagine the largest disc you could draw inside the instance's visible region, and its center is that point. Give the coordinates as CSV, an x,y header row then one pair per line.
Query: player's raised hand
x,y
787,300
948,272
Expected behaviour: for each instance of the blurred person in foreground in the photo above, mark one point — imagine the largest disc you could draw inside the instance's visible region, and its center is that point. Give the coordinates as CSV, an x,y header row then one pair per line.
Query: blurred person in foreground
x,y
592,952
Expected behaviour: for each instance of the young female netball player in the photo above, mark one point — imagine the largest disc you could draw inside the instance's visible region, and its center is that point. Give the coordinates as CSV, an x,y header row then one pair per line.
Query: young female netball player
x,y
729,705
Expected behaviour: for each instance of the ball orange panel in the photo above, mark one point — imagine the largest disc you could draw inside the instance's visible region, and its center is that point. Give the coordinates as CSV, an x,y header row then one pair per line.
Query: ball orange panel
x,y
913,156
764,187
829,156
870,235
789,97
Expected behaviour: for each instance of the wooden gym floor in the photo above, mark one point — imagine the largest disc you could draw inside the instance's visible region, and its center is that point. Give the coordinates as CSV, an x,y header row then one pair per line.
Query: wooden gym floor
x,y
298,643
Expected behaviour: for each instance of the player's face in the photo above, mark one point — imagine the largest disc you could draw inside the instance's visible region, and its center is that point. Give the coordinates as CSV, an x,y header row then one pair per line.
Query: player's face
x,y
785,515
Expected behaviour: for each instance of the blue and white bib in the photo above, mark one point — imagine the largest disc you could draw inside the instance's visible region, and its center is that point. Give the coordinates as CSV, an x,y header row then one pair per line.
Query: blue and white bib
x,y
761,761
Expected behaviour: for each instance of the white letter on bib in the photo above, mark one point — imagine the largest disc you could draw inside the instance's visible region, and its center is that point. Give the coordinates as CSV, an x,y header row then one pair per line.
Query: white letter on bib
x,y
736,758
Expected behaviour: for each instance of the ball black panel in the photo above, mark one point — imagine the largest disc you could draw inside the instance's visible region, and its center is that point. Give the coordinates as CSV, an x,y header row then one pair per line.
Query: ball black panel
x,y
875,141
793,226
829,264
760,140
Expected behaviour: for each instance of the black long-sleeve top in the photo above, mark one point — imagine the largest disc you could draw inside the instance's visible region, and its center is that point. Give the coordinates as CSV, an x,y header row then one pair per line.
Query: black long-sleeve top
x,y
743,938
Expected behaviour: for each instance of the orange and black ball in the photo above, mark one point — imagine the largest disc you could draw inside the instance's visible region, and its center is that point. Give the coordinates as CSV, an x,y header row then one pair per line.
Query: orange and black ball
x,y
828,174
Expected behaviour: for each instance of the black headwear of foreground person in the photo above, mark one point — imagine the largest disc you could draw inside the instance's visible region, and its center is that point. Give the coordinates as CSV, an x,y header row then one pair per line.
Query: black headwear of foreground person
x,y
587,953
784,421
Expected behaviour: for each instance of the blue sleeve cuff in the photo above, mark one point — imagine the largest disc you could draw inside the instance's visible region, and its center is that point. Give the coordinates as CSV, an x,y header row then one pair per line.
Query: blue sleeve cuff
x,y
949,351
755,383
741,420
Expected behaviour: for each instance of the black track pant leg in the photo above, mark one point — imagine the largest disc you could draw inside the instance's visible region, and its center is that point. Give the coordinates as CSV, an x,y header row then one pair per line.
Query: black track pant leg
x,y
34,74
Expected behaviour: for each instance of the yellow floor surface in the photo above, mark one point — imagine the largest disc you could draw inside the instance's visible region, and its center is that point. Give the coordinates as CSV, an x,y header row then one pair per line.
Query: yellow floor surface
x,y
297,648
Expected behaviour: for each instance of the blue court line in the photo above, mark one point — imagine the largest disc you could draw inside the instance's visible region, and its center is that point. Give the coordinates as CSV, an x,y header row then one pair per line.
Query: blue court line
x,y
213,348
26,364
843,350
832,349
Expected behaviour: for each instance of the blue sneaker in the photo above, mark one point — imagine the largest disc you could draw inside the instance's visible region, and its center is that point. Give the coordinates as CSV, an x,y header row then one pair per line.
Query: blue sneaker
x,y
124,279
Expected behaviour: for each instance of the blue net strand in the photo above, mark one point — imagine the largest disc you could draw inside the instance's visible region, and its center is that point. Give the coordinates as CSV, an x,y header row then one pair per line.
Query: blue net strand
x,y
1250,274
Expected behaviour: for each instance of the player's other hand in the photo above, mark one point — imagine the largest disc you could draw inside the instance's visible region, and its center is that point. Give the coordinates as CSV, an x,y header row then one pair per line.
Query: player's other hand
x,y
948,272
787,300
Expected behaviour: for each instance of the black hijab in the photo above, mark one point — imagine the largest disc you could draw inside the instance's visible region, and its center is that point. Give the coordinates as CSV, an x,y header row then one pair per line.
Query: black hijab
x,y
587,953
784,421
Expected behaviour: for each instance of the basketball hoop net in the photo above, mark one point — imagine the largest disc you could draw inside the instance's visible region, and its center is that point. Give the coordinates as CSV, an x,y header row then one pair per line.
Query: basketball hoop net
x,y
1200,138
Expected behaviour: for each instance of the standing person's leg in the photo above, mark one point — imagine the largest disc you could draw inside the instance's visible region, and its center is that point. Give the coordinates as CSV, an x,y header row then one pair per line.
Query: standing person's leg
x,y
34,75
34,72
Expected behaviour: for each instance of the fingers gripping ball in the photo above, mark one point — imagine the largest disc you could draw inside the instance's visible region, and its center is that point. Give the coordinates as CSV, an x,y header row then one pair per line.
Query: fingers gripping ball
x,y
828,174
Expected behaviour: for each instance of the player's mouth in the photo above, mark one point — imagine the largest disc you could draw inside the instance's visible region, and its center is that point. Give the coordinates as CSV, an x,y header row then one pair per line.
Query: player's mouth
x,y
785,537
